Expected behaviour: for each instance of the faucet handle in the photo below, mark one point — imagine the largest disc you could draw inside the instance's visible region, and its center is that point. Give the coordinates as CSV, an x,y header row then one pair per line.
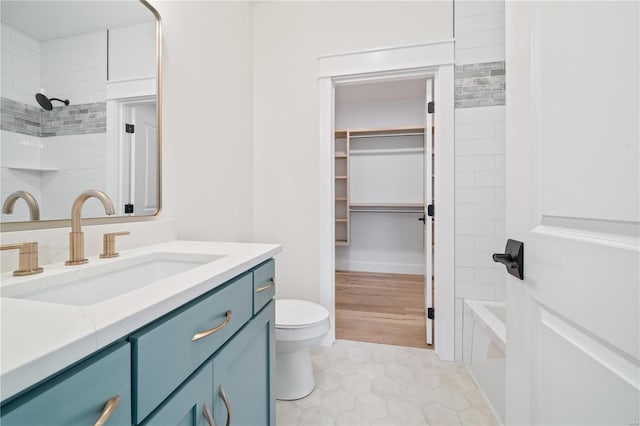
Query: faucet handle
x,y
109,244
27,260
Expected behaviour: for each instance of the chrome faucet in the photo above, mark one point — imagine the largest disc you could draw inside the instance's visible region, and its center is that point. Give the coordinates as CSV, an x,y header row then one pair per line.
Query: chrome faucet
x,y
76,236
34,209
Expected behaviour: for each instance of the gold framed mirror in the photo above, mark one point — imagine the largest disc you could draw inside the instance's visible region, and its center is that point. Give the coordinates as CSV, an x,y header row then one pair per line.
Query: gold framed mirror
x,y
81,108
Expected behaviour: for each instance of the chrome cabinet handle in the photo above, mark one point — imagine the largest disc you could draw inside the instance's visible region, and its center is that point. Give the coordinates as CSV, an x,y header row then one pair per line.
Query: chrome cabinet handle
x,y
108,409
266,287
227,405
207,415
205,333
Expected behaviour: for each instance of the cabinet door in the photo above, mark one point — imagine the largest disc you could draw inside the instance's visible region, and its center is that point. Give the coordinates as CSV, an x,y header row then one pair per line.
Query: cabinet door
x,y
242,373
80,395
190,405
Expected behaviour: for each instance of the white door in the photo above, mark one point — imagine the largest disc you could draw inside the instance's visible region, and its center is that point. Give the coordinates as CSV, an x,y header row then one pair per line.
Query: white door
x,y
428,196
145,160
573,187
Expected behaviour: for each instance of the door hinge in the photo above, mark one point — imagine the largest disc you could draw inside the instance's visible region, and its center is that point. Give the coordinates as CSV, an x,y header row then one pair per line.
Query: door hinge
x,y
431,313
431,107
128,208
129,128
430,210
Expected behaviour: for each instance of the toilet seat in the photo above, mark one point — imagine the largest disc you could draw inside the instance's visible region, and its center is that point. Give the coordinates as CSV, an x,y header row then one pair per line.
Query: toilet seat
x,y
297,314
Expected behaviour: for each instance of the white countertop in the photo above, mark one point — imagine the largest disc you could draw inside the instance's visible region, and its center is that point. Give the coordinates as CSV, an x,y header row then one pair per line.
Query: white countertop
x,y
38,338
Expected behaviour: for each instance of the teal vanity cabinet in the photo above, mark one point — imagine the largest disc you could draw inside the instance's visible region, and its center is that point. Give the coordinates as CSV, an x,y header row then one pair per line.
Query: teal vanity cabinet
x,y
242,373
207,362
168,351
190,405
97,388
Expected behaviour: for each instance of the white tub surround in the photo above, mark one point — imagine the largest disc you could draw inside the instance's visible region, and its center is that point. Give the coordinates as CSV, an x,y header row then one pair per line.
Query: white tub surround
x,y
484,349
39,338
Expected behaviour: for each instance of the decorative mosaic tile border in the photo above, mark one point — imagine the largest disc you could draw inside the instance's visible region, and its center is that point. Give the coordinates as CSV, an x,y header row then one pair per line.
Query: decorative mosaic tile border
x,y
480,85
60,121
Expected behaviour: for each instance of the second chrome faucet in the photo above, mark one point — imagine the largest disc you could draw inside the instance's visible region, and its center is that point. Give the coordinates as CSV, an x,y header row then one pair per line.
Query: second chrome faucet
x,y
76,237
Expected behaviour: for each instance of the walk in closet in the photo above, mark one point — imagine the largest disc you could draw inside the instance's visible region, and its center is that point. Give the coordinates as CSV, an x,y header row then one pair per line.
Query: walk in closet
x,y
383,186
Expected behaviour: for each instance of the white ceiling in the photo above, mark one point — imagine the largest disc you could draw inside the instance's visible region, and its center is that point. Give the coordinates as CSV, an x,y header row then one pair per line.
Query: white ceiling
x,y
398,89
52,19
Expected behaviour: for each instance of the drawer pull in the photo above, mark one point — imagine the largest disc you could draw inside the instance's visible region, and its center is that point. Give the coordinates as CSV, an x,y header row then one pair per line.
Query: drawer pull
x,y
227,405
205,333
266,287
108,409
207,415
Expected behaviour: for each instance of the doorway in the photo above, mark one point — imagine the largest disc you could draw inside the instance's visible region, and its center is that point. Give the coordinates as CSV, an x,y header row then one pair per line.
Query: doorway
x,y
383,174
434,60
136,171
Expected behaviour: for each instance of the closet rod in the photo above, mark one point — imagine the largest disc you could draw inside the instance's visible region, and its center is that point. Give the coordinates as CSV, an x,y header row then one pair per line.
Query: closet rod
x,y
386,135
386,211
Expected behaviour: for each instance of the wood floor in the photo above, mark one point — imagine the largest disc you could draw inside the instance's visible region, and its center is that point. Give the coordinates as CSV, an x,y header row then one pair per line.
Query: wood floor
x,y
381,308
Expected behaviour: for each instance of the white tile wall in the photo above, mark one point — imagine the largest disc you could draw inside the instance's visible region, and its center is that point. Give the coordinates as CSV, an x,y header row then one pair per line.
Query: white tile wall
x,y
479,31
19,150
75,68
20,66
82,163
480,208
480,180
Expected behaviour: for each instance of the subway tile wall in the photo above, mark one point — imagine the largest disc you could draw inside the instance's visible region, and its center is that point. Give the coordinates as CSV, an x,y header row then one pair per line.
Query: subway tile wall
x,y
71,140
479,154
69,120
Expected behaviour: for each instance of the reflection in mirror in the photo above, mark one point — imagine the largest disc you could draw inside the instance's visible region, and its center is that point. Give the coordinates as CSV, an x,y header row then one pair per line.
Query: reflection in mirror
x,y
78,105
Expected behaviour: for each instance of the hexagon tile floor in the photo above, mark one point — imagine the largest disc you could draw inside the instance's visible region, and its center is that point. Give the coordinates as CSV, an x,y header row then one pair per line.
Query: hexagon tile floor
x,y
361,383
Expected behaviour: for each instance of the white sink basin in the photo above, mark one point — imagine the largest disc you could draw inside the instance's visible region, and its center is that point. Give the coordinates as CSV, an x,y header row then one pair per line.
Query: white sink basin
x,y
94,284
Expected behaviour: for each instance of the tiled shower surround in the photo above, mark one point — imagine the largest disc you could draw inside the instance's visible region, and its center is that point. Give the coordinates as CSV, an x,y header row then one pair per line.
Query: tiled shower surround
x,y
479,85
69,120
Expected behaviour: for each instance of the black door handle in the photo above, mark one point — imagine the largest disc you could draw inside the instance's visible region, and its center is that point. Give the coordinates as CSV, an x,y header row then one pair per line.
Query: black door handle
x,y
423,219
513,258
505,259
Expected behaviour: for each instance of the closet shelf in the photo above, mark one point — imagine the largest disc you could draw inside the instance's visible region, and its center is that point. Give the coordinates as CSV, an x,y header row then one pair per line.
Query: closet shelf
x,y
401,205
342,243
341,198
341,220
341,177
341,155
387,151
33,168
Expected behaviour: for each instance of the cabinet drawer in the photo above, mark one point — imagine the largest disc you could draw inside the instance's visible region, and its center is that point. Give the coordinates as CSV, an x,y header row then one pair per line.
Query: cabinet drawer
x,y
169,351
264,285
190,405
79,396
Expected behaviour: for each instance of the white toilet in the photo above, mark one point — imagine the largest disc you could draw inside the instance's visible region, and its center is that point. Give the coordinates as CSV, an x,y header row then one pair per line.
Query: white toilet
x,y
299,325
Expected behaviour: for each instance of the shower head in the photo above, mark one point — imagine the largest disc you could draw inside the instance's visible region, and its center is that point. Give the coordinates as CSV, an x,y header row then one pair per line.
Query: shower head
x,y
45,102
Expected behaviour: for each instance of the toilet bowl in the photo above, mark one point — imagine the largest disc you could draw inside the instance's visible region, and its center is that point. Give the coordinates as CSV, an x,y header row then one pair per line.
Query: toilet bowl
x,y
299,325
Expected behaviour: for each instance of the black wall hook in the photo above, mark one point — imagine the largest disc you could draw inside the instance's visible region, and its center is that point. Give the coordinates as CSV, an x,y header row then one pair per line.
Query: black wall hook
x,y
513,258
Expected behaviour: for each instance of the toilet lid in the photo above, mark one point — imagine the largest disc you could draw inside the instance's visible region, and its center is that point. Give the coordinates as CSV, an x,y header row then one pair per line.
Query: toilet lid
x,y
291,313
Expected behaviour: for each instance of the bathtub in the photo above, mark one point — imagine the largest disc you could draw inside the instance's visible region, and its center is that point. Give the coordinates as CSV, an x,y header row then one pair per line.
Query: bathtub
x,y
484,342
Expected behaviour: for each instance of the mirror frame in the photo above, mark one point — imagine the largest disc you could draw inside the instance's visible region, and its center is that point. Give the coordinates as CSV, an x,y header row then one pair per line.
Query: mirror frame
x,y
62,223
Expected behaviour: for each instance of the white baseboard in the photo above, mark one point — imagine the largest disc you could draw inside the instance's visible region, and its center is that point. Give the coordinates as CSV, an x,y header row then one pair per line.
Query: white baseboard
x,y
385,268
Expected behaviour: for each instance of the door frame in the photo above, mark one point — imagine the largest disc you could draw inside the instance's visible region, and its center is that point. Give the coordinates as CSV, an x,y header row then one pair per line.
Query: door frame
x,y
115,151
431,60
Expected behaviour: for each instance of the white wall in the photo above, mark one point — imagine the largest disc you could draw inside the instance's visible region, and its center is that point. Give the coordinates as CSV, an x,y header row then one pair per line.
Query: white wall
x,y
288,38
20,66
480,167
132,52
207,118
